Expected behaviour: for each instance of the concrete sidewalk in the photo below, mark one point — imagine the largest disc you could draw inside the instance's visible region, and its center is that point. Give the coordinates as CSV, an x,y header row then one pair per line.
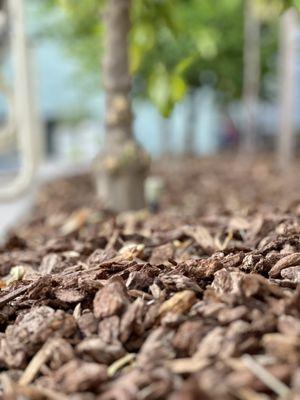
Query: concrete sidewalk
x,y
12,212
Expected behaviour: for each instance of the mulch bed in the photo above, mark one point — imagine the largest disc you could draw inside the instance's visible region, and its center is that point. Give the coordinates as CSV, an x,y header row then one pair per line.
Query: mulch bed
x,y
198,301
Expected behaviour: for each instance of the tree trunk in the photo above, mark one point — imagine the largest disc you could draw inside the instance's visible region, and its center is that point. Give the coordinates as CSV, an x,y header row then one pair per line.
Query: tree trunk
x,y
251,77
289,26
190,134
166,133
121,168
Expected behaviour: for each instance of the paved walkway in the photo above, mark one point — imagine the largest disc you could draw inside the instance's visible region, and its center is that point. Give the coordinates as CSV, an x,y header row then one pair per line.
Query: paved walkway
x,y
12,212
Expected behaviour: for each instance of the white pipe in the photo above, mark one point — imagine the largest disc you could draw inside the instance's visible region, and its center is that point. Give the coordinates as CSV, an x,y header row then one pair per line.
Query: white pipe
x,y
286,139
7,133
23,104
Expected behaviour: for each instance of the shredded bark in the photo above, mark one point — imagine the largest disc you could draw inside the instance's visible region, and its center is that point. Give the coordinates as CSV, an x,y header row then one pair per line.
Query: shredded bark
x,y
198,301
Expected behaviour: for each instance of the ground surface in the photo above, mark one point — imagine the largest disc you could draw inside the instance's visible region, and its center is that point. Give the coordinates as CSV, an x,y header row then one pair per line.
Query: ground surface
x,y
198,301
14,210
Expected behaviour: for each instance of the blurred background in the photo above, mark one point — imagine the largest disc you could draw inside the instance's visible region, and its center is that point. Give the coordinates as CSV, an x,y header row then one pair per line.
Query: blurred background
x,y
206,80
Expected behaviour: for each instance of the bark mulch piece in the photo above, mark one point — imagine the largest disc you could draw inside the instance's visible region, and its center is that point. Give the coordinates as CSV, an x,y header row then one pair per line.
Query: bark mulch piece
x,y
198,301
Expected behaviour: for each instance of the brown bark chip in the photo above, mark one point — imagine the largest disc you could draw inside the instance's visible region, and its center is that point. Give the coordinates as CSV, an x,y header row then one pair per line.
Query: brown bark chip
x,y
31,330
111,300
188,336
285,262
87,323
200,300
292,274
79,376
95,349
180,303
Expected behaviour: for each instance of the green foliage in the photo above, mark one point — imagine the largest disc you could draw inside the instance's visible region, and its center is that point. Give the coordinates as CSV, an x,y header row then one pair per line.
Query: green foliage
x,y
154,52
77,24
174,44
206,46
291,3
165,89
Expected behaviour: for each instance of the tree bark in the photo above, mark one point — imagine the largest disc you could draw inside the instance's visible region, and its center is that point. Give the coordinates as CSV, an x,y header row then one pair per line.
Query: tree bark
x,y
286,138
121,168
190,134
251,77
166,133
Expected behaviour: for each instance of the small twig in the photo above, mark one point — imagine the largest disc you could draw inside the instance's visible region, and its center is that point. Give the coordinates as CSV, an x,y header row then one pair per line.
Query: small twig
x,y
113,240
11,388
265,376
39,391
15,293
223,245
184,248
37,361
139,293
187,365
6,383
77,311
117,365
51,394
248,394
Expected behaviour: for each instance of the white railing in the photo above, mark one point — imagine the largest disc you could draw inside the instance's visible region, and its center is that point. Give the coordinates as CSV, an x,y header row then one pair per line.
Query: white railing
x,y
21,121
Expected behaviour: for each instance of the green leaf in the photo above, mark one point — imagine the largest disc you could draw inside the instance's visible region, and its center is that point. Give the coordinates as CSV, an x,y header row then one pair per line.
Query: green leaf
x,y
185,63
143,35
159,89
207,42
136,54
178,88
297,4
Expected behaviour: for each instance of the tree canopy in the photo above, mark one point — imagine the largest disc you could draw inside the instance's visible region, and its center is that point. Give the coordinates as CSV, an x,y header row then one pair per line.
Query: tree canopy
x,y
174,45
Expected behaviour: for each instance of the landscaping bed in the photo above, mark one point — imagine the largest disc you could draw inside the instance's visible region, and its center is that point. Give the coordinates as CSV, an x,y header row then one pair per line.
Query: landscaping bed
x,y
200,300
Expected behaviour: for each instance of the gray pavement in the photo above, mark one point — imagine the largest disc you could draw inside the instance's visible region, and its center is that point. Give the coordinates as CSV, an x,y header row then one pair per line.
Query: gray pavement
x,y
12,212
